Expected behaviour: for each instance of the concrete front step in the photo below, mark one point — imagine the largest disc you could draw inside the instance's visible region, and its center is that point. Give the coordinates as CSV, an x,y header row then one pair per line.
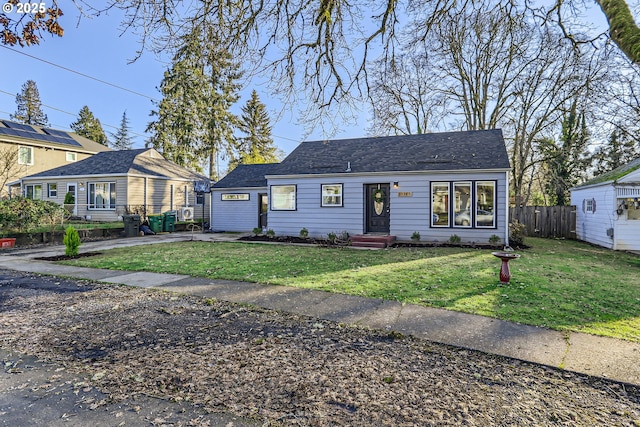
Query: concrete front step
x,y
372,241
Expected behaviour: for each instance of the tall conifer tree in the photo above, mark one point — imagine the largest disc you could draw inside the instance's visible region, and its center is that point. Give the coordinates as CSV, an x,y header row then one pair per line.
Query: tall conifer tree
x,y
122,139
257,146
89,126
29,109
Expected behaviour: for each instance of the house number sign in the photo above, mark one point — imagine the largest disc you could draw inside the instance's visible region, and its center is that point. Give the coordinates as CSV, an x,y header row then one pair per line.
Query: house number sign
x,y
240,196
405,194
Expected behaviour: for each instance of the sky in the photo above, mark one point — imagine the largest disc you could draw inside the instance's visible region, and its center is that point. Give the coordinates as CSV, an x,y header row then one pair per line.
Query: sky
x,y
97,48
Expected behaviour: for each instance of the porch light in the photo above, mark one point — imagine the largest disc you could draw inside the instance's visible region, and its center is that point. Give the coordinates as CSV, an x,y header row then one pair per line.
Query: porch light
x,y
396,184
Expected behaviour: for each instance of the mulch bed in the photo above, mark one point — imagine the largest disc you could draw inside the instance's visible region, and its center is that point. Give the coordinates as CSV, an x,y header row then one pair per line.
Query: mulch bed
x,y
66,257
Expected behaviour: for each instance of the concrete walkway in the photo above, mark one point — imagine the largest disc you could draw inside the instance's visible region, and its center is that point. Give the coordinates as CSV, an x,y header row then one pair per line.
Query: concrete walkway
x,y
604,357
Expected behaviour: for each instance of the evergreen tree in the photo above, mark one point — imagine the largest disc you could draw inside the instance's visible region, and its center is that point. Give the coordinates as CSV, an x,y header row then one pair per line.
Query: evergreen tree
x,y
257,146
567,161
194,121
122,140
620,150
29,109
89,126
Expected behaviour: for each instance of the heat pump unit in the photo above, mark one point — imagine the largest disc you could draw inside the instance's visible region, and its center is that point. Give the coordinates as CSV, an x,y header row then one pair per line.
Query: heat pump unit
x,y
186,214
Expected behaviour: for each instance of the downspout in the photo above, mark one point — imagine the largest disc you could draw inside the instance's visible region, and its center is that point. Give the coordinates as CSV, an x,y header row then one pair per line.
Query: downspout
x,y
145,196
506,209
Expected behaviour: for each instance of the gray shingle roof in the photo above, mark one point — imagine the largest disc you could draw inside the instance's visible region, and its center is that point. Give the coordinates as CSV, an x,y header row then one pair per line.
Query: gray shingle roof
x,y
482,149
121,163
471,150
247,176
613,175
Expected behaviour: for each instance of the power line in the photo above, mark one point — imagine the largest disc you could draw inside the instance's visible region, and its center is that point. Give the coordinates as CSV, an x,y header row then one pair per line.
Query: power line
x,y
81,74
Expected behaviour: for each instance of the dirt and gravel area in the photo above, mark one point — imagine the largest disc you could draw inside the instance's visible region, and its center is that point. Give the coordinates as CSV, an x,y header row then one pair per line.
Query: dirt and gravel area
x,y
283,369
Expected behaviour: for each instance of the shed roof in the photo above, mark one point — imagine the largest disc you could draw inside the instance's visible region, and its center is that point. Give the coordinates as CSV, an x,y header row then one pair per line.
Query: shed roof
x,y
247,176
613,175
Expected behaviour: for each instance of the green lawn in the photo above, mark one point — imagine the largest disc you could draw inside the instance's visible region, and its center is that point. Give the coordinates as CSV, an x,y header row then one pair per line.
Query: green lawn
x,y
560,284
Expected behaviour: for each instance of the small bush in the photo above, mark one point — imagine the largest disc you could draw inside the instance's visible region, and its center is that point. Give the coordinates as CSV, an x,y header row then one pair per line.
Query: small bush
x,y
495,239
270,233
71,241
454,238
517,232
415,236
332,237
304,233
257,231
69,199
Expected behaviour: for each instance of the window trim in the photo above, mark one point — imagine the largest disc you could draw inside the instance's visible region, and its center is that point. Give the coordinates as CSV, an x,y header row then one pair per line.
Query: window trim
x,y
51,191
494,184
91,204
448,203
33,191
31,155
471,207
72,154
272,199
340,194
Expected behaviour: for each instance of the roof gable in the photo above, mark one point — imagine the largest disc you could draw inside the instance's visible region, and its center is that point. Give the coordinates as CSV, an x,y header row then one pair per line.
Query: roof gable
x,y
469,150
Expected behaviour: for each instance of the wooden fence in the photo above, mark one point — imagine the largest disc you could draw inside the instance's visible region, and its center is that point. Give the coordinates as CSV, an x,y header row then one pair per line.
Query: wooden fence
x,y
546,221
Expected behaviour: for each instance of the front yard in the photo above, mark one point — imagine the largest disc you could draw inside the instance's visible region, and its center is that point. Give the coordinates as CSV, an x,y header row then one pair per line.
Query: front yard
x,y
559,284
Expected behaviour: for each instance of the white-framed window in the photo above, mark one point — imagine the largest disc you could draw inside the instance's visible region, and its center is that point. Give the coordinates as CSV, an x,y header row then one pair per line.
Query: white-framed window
x,y
283,197
102,195
485,204
33,191
473,204
440,204
589,205
71,156
52,190
331,195
25,156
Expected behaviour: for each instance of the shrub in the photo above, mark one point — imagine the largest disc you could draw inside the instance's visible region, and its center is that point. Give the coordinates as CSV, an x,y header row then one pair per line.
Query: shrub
x,y
517,232
304,233
331,237
257,231
69,199
495,239
415,236
23,214
454,238
71,241
271,233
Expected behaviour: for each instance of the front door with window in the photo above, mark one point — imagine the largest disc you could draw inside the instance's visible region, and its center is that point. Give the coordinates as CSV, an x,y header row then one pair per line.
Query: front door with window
x,y
263,208
377,208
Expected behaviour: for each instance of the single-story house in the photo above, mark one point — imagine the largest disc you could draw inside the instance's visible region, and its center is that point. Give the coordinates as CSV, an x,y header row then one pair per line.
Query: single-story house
x,y
437,184
112,183
608,208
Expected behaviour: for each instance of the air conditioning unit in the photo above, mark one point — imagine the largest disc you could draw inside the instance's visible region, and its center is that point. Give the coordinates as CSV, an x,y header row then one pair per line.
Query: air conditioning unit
x,y
186,214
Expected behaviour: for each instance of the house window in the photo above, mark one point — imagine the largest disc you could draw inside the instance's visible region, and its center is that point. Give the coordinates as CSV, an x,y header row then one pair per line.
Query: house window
x,y
485,204
283,197
473,204
53,190
102,195
331,195
25,156
439,204
199,198
462,204
72,157
33,192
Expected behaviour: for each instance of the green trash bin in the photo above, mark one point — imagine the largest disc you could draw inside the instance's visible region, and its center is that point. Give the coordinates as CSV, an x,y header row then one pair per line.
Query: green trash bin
x,y
155,223
169,223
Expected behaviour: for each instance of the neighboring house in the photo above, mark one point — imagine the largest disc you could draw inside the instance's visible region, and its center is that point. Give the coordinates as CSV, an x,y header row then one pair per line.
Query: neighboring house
x,y
436,184
111,183
608,208
33,149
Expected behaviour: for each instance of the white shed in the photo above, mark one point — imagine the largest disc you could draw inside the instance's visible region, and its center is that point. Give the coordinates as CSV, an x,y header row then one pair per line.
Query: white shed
x,y
608,208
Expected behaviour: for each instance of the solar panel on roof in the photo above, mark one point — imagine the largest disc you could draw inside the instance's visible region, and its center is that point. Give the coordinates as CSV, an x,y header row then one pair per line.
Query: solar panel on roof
x,y
39,136
20,126
55,132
